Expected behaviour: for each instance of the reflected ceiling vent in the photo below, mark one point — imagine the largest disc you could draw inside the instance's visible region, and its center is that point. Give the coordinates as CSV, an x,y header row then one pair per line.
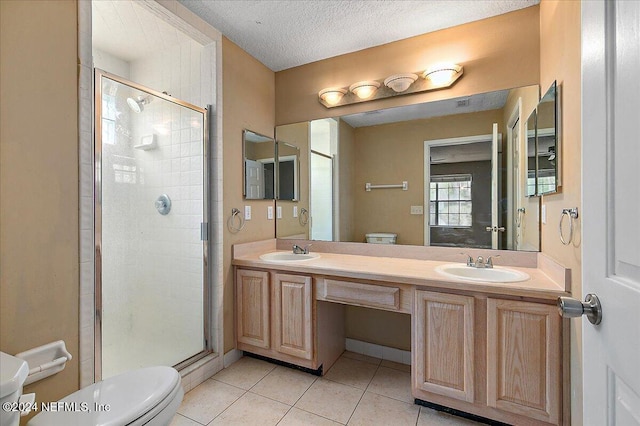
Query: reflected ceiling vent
x,y
462,103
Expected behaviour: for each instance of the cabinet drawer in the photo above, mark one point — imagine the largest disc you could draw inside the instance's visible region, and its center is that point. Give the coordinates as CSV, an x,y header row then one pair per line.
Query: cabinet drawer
x,y
392,297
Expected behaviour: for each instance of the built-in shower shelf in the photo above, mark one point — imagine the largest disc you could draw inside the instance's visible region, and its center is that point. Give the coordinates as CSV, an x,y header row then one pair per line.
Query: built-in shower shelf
x,y
147,143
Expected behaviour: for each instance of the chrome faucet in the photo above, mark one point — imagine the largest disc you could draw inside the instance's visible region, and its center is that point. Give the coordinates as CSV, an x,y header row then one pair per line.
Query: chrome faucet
x,y
480,262
489,262
299,250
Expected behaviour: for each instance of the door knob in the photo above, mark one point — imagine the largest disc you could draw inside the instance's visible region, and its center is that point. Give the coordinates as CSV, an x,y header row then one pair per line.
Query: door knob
x,y
573,308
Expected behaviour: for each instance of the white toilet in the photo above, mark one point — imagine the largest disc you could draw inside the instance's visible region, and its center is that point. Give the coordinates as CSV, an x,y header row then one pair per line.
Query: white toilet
x,y
381,238
147,396
13,373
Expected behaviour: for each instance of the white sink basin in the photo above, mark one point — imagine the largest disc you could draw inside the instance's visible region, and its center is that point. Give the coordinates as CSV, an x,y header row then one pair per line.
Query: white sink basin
x,y
285,256
496,274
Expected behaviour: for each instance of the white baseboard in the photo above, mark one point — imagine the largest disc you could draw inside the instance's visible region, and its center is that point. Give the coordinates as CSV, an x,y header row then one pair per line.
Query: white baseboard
x,y
377,351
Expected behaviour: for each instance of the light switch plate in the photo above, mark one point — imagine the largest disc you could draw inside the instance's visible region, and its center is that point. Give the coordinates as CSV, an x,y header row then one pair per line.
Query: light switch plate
x,y
295,211
270,212
417,210
279,212
247,212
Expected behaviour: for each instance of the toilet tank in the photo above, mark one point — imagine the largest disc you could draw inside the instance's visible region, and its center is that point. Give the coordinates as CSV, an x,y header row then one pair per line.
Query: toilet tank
x,y
13,373
381,238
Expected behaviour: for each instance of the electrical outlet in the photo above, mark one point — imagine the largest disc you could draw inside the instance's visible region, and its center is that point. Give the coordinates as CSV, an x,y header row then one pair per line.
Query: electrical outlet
x,y
247,212
270,212
279,212
417,210
295,211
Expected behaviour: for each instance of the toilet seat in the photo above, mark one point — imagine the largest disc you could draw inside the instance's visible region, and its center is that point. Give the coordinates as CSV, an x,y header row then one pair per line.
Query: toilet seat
x,y
134,398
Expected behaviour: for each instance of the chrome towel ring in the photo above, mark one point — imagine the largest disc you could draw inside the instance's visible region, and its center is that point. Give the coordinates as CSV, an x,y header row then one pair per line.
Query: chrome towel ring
x,y
572,214
231,221
303,218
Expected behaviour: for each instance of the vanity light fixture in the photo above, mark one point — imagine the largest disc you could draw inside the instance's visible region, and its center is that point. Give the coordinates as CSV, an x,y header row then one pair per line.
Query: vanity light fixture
x,y
364,89
332,95
441,74
400,82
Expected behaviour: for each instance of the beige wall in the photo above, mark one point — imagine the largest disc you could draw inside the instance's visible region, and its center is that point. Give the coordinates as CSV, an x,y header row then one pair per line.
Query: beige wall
x,y
393,153
560,60
248,103
39,183
346,172
289,226
497,53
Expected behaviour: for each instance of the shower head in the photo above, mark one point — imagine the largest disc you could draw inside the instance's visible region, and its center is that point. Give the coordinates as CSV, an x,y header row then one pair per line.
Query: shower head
x,y
137,104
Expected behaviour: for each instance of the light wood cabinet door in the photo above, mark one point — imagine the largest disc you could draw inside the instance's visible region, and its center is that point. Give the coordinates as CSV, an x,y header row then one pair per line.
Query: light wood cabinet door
x,y
443,344
524,358
252,304
293,316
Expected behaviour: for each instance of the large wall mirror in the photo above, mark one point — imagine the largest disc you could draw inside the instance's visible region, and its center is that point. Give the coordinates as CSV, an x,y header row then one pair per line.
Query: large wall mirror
x,y
258,167
450,173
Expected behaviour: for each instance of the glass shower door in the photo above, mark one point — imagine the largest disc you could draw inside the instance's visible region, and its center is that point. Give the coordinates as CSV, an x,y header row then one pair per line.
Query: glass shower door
x,y
150,207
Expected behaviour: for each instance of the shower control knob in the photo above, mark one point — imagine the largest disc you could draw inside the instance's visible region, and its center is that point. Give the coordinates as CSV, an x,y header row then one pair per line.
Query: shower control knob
x,y
163,204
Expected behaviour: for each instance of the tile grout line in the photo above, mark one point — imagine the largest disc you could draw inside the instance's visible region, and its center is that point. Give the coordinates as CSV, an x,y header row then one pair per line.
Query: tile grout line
x,y
365,391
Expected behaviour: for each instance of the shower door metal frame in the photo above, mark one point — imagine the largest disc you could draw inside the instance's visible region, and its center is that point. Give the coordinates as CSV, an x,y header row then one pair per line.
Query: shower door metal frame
x,y
205,228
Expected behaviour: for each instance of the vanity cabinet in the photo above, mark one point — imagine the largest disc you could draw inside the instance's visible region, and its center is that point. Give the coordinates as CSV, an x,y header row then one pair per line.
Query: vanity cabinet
x,y
277,317
444,353
493,357
252,308
524,358
293,316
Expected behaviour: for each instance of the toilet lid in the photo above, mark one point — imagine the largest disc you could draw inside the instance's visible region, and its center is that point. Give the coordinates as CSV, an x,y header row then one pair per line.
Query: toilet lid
x,y
118,400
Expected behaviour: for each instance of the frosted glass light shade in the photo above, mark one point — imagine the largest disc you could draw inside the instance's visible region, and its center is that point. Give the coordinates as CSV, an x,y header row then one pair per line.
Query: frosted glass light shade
x,y
400,82
332,95
364,89
441,74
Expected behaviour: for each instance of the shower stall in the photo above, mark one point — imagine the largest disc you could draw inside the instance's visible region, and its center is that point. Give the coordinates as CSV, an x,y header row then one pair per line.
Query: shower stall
x,y
151,247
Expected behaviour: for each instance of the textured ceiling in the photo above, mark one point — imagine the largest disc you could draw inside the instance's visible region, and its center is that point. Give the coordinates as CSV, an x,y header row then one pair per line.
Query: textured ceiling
x,y
286,33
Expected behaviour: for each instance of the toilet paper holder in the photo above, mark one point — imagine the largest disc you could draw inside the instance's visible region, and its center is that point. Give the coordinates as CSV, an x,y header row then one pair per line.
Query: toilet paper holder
x,y
45,361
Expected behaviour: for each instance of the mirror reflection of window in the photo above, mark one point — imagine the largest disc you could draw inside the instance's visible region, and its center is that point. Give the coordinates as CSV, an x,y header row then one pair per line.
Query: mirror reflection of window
x,y
450,201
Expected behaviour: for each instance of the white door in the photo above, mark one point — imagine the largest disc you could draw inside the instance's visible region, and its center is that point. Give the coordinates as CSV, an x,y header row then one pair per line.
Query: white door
x,y
254,180
611,209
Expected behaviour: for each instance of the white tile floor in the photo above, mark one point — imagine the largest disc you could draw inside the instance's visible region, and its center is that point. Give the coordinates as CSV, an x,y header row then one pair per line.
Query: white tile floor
x,y
357,390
